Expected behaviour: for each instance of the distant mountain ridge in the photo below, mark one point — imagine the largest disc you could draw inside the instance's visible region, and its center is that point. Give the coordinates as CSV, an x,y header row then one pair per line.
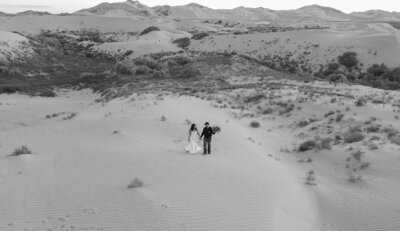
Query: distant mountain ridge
x,y
196,11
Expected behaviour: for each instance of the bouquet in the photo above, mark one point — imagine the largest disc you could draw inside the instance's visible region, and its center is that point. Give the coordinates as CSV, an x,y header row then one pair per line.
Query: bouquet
x,y
216,129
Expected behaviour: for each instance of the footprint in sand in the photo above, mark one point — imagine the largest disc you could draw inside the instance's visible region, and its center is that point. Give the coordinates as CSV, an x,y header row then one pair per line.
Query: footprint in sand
x,y
91,211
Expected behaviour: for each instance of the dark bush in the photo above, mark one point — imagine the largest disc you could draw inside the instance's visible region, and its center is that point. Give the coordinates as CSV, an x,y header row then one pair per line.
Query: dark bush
x,y
200,35
377,70
255,124
348,59
128,52
190,72
308,145
181,60
123,69
354,134
149,29
182,42
47,93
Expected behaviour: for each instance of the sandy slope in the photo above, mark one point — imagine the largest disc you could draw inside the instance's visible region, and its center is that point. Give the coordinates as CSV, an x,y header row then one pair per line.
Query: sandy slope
x,y
153,42
78,174
13,45
374,43
77,177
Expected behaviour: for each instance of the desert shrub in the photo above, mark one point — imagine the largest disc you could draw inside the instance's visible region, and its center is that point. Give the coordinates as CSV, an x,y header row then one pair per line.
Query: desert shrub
x,y
395,139
9,90
377,70
189,72
373,128
159,75
70,116
163,118
255,124
128,52
141,70
268,111
200,35
303,123
47,93
348,59
336,78
361,102
353,179
339,117
329,114
393,75
324,144
354,134
181,59
182,42
135,183
308,145
254,98
390,132
149,29
23,150
122,68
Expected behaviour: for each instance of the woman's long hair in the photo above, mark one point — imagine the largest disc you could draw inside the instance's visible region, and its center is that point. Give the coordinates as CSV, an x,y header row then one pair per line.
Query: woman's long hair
x,y
193,127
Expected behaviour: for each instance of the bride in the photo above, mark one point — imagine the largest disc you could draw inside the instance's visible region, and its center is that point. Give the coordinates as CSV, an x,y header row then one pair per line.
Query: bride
x,y
194,135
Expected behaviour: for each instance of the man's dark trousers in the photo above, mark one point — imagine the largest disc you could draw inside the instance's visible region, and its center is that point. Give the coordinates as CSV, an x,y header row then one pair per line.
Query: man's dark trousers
x,y
207,145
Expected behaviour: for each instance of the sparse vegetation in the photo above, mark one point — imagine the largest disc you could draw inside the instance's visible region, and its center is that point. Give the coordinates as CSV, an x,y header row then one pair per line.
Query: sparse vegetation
x,y
23,150
307,146
255,124
135,183
310,178
149,29
348,59
182,42
201,35
354,134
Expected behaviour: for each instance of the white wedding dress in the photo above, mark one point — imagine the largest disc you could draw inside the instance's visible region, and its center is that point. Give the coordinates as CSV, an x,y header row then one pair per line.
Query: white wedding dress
x,y
193,147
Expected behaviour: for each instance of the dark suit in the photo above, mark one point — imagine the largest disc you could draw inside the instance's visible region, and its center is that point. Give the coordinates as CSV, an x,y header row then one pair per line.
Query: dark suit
x,y
207,133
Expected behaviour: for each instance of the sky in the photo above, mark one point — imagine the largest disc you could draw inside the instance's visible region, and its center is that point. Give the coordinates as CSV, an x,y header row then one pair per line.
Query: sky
x,y
60,6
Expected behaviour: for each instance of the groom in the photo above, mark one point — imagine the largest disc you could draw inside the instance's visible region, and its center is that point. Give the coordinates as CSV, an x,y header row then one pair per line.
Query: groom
x,y
207,133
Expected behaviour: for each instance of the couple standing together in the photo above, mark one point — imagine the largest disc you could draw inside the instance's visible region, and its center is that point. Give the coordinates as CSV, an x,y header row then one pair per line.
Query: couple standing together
x,y
193,147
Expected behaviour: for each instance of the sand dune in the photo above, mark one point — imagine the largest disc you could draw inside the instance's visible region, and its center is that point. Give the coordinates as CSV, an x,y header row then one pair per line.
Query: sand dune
x,y
77,176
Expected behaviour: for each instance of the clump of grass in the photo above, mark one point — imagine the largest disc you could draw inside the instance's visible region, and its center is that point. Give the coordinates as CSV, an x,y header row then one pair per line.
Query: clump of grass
x,y
163,118
135,183
255,124
23,150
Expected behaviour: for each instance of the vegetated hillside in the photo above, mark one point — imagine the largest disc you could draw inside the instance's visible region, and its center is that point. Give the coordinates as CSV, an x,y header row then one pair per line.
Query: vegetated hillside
x,y
377,15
